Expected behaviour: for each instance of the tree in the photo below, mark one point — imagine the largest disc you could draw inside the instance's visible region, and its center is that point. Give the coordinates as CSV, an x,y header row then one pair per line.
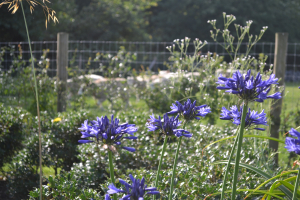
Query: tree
x,y
83,20
173,19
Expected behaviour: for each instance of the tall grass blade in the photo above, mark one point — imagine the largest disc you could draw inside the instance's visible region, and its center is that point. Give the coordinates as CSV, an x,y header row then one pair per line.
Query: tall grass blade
x,y
37,105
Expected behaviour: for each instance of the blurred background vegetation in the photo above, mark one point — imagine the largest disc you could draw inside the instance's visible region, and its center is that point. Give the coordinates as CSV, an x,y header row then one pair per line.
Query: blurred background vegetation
x,y
151,20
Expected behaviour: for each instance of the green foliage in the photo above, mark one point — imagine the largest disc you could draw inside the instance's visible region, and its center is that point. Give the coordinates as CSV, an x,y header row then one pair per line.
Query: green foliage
x,y
112,20
84,20
12,132
192,16
16,86
64,186
61,138
88,164
59,142
150,20
24,167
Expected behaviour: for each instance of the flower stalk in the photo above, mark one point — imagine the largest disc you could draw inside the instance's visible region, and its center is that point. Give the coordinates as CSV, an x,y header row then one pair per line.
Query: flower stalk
x,y
239,139
228,164
175,165
296,186
37,104
111,171
160,162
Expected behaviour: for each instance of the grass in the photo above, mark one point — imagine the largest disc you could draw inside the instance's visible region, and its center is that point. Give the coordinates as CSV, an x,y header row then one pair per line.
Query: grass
x,y
291,96
47,171
290,103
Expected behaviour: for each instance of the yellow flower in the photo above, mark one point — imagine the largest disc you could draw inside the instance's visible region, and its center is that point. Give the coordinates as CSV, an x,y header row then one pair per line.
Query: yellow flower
x,y
58,119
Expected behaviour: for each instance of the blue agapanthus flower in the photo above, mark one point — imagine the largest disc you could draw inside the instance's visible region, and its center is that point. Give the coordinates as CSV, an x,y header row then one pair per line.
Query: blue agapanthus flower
x,y
293,144
248,88
252,117
189,110
167,126
136,191
107,132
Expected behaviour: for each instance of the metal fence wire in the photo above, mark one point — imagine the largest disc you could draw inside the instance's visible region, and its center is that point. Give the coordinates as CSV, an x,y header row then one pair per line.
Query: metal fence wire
x,y
147,54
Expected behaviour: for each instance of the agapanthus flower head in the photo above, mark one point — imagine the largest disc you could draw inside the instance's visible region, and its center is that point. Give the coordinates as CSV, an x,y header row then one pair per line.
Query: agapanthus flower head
x,y
168,126
293,144
135,191
107,131
252,118
249,88
189,110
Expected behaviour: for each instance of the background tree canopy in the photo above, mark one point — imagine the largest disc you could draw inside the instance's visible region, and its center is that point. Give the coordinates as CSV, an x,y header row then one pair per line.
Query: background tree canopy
x,y
146,20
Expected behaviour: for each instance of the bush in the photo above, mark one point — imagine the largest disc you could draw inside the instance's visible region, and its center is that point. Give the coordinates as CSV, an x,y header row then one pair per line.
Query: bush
x,y
59,142
24,168
64,186
62,137
12,132
16,84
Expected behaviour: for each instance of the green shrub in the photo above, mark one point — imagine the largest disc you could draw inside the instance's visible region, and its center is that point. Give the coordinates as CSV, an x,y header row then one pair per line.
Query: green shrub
x,y
62,137
23,174
12,132
59,150
64,186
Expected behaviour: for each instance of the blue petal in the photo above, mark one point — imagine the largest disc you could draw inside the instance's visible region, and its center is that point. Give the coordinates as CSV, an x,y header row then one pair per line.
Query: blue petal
x,y
150,189
112,189
153,192
129,149
294,133
85,141
107,197
260,129
131,138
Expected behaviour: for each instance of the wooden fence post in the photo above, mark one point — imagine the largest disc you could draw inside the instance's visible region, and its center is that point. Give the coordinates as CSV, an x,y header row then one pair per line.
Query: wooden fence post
x,y
281,43
62,74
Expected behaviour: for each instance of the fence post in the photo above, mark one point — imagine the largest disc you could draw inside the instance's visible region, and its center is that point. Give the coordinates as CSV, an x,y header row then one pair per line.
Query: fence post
x,y
62,74
281,43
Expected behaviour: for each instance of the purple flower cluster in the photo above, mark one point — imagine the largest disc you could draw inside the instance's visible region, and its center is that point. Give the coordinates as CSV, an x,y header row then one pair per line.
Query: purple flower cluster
x,y
249,88
136,191
108,132
293,144
189,110
252,117
168,126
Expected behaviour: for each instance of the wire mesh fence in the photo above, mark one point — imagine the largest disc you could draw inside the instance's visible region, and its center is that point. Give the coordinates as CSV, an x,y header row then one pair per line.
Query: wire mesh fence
x,y
148,54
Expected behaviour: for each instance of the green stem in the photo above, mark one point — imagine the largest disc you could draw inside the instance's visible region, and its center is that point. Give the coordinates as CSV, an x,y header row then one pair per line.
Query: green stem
x,y
98,151
160,162
111,170
296,186
37,103
175,165
238,151
227,168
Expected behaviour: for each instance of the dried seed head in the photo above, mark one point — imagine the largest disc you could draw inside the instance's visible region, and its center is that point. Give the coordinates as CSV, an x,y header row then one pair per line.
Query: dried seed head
x,y
13,6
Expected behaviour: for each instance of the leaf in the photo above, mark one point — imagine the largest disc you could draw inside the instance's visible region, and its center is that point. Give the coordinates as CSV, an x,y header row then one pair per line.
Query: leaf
x,y
256,136
272,178
276,184
285,190
251,190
